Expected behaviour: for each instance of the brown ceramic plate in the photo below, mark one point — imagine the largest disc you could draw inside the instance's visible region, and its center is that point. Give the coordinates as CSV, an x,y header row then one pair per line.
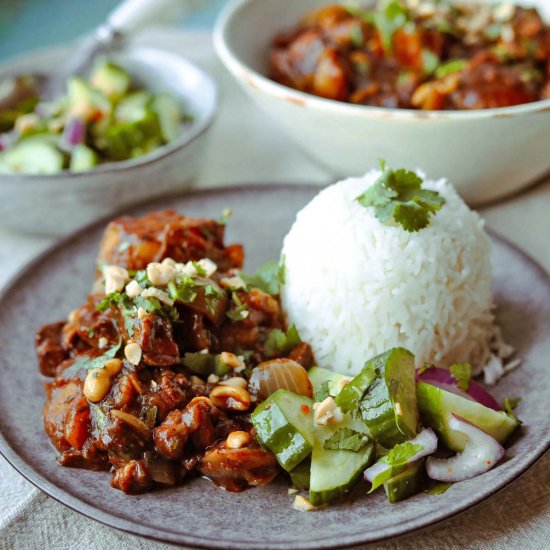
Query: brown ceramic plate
x,y
198,514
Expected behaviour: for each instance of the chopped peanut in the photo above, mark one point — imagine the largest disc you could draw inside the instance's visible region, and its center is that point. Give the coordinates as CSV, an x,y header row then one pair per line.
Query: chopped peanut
x,y
132,352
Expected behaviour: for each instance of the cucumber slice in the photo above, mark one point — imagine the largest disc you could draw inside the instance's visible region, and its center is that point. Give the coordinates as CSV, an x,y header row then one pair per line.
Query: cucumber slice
x,y
169,113
436,405
134,107
406,483
350,396
34,155
317,376
335,472
284,424
389,407
84,101
204,364
300,475
82,159
110,79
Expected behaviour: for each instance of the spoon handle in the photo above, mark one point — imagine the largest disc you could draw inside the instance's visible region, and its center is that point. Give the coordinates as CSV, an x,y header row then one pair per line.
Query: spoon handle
x,y
132,15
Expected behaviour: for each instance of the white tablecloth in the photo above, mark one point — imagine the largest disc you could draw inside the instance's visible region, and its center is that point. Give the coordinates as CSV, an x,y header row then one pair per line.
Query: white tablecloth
x,y
245,146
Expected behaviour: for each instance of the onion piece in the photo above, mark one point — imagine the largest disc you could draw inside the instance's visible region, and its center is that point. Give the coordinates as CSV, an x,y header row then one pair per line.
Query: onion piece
x,y
482,452
73,134
160,469
426,438
442,378
133,421
282,373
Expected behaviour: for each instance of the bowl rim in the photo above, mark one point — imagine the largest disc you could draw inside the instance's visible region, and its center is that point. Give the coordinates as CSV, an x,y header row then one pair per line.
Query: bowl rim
x,y
189,135
242,71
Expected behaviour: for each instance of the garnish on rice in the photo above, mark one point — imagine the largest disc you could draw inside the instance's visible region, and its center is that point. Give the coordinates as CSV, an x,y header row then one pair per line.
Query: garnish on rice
x,y
398,195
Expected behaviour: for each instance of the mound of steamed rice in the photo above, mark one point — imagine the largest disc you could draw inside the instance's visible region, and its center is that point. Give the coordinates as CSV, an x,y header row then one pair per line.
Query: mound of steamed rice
x,y
355,287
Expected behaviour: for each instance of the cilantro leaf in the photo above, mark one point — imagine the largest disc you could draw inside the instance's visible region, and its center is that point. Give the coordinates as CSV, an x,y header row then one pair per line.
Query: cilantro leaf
x,y
225,217
510,405
401,454
398,195
411,216
388,20
346,439
87,363
430,62
461,372
239,311
268,278
323,392
201,272
450,67
279,342
396,461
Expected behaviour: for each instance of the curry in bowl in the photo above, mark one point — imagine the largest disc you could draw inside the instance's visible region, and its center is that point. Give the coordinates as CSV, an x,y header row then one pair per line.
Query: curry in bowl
x,y
417,55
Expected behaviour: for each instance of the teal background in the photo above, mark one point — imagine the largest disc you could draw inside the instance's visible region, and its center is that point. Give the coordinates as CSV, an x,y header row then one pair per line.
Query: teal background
x,y
29,24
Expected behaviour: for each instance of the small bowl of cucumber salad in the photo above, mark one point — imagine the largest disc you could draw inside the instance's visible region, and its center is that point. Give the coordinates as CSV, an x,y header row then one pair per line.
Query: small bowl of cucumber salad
x,y
129,129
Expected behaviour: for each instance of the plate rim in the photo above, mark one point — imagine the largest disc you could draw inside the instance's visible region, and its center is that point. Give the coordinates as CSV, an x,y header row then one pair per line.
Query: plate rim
x,y
189,539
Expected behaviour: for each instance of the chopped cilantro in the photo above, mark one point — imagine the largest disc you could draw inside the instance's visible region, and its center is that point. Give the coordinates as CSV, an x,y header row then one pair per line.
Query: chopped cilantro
x,y
239,311
129,306
450,67
398,194
510,405
461,372
91,332
201,272
142,279
269,277
323,392
149,415
356,35
346,439
401,454
282,271
88,363
531,74
212,294
184,290
388,20
430,62
438,488
397,460
226,215
279,342
445,27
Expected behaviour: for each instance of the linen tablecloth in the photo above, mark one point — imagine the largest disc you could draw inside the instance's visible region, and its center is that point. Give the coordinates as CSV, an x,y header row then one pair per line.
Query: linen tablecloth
x,y
246,146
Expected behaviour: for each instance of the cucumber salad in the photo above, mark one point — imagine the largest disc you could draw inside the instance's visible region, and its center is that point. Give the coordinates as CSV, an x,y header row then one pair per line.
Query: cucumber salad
x,y
103,118
392,425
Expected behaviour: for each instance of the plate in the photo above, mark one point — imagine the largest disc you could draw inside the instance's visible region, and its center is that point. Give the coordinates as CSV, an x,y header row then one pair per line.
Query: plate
x,y
198,514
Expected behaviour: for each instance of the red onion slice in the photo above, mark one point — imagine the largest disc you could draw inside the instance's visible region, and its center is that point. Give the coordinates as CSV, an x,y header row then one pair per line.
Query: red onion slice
x,y
442,378
73,134
426,438
482,452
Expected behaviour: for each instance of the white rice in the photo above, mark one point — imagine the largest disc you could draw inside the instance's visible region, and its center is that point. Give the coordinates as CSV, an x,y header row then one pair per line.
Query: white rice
x,y
356,287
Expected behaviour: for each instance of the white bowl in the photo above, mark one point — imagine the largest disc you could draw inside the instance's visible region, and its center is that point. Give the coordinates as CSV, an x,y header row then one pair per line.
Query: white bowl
x,y
57,204
487,154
